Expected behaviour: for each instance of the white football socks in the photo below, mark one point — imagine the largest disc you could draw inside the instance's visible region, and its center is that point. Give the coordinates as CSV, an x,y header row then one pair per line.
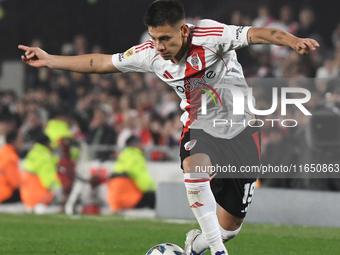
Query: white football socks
x,y
227,234
203,205
200,244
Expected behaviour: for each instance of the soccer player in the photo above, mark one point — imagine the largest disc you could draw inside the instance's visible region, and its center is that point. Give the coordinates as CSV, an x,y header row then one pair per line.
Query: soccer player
x,y
193,59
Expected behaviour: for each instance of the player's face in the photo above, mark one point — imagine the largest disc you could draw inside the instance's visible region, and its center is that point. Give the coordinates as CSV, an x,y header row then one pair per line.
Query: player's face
x,y
170,41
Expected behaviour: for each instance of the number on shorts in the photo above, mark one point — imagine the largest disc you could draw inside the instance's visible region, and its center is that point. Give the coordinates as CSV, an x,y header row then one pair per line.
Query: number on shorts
x,y
248,192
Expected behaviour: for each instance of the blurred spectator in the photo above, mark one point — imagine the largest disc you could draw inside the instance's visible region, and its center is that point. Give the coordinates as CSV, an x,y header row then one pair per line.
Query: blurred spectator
x,y
168,104
81,83
100,133
131,185
137,81
319,143
285,23
97,49
156,125
336,36
83,111
167,132
80,45
39,179
143,131
31,130
246,20
143,103
263,19
6,123
62,141
9,98
286,20
20,111
35,77
278,143
54,102
236,18
9,168
66,91
329,70
332,93
308,26
129,128
58,127
69,149
67,49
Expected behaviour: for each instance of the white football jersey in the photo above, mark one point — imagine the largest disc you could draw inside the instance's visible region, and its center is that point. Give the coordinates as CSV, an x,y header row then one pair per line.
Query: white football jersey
x,y
209,64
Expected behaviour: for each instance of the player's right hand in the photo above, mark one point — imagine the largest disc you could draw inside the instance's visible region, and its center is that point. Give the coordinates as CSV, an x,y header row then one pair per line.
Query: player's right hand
x,y
34,56
304,45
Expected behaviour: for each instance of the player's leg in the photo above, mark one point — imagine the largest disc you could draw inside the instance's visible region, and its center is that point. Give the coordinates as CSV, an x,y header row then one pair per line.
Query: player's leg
x,y
230,226
232,195
202,202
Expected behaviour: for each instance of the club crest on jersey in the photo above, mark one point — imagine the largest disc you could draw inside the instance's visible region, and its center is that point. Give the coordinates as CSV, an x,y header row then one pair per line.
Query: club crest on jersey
x,y
195,61
189,145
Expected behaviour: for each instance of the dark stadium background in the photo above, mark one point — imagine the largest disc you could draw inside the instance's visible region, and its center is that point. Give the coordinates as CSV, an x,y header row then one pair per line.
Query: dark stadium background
x,y
117,25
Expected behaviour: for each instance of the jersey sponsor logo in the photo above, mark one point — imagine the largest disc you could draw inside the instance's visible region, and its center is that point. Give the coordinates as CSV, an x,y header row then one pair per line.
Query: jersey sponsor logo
x,y
195,61
238,32
130,52
210,75
191,84
179,89
121,57
189,145
202,85
167,75
196,205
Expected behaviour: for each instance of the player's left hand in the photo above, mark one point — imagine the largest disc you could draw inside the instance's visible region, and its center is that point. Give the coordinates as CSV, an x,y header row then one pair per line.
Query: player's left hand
x,y
304,45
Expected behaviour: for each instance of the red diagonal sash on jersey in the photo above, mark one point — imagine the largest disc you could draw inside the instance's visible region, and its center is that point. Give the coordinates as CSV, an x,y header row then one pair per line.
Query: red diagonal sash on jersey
x,y
194,96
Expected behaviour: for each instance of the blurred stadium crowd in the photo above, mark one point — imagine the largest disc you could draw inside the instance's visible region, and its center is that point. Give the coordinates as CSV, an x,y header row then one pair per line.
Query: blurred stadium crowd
x,y
105,110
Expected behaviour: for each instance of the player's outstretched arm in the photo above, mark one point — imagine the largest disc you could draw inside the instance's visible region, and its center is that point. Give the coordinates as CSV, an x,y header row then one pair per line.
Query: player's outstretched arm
x,y
89,63
276,36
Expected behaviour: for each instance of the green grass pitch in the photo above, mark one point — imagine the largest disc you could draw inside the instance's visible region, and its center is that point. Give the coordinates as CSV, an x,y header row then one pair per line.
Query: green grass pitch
x,y
106,235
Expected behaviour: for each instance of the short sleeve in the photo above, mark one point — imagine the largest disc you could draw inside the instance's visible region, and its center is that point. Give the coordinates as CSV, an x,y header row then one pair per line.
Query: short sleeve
x,y
135,59
237,36
224,37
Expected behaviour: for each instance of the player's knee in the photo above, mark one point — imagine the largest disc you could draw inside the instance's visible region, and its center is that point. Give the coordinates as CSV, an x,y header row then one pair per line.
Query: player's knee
x,y
227,234
186,165
197,163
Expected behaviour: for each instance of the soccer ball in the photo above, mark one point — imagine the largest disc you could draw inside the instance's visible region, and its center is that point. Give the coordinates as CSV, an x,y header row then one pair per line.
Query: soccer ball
x,y
165,249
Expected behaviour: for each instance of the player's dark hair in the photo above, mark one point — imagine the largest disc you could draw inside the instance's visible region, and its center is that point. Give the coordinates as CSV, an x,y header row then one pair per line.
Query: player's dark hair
x,y
162,12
